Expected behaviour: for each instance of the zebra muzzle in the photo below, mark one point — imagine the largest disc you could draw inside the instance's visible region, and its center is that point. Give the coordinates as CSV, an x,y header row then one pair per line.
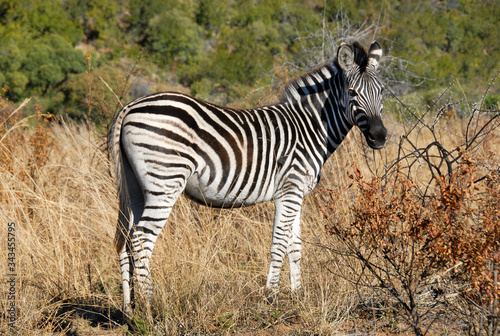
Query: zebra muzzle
x,y
376,134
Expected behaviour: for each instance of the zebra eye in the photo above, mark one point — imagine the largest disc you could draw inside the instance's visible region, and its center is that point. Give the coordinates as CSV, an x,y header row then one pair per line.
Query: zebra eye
x,y
352,93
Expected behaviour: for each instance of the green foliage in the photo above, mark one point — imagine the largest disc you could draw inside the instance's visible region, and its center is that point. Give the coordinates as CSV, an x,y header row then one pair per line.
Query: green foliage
x,y
97,18
174,36
245,46
140,326
36,18
212,14
17,82
447,41
222,49
35,67
492,101
37,52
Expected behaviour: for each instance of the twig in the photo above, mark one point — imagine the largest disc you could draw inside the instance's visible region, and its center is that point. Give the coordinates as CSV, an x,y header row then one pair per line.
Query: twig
x,y
26,101
111,90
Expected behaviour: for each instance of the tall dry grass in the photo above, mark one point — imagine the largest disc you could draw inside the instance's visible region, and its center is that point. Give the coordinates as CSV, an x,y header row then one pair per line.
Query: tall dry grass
x,y
55,186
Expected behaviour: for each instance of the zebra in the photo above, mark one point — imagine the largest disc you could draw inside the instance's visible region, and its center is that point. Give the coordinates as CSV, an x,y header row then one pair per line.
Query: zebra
x,y
165,144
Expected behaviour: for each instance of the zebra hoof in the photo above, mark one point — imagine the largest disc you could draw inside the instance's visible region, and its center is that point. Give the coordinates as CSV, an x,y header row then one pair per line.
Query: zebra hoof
x,y
127,310
271,296
298,294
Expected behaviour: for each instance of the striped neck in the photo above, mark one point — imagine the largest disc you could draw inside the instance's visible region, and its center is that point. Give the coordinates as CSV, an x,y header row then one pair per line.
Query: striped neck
x,y
320,94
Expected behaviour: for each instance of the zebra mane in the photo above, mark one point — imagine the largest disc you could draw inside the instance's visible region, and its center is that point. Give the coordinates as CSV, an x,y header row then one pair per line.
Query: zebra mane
x,y
308,82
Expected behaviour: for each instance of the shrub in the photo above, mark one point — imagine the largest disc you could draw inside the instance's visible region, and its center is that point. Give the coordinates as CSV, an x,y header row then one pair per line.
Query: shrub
x,y
424,236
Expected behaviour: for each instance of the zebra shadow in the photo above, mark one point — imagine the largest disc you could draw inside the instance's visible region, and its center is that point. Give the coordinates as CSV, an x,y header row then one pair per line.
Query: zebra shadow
x,y
71,316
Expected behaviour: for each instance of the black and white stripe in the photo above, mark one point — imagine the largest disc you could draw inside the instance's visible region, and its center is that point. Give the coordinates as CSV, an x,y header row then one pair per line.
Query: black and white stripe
x,y
167,143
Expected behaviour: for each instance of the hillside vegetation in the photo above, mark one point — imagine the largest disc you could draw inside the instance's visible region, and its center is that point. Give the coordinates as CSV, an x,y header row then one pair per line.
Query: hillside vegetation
x,y
222,50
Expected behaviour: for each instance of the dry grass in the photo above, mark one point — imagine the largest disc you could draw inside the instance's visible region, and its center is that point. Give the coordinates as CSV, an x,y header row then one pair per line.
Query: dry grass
x,y
209,266
63,207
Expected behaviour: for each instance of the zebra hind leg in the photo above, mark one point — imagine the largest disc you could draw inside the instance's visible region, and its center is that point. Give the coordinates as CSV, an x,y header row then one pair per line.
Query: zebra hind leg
x,y
127,270
141,260
157,209
131,206
131,201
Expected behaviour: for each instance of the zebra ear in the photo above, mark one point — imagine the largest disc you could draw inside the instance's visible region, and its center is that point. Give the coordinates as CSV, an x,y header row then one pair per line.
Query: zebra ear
x,y
345,57
374,55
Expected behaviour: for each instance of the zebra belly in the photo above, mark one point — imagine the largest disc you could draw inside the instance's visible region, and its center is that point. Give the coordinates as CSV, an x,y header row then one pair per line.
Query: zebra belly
x,y
199,190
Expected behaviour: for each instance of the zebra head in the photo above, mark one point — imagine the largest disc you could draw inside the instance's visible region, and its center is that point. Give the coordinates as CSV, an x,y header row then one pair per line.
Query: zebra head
x,y
362,92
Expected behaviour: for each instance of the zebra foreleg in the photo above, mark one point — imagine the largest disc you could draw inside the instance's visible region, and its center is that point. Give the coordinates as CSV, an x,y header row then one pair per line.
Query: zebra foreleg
x,y
294,253
286,227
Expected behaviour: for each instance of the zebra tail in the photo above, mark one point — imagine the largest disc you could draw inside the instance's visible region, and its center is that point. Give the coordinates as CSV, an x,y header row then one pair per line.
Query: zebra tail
x,y
115,152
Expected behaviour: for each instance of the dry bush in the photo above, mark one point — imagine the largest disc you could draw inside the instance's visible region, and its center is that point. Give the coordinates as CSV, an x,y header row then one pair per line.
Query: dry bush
x,y
405,247
421,240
